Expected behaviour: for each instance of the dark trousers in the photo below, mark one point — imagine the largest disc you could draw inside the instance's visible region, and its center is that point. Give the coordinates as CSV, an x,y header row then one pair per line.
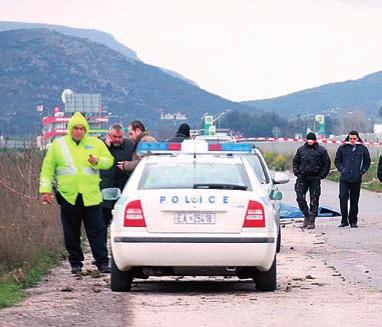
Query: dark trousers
x,y
352,191
107,218
72,217
313,184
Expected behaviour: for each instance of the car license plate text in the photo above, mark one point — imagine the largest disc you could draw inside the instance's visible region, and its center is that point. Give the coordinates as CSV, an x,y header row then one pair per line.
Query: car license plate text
x,y
195,218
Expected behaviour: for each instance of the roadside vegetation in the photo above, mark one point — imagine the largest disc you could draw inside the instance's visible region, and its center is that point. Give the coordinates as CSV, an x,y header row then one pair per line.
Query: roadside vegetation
x,y
280,162
30,232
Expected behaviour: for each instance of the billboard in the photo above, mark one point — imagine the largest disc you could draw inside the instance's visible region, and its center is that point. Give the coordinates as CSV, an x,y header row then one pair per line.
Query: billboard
x,y
83,102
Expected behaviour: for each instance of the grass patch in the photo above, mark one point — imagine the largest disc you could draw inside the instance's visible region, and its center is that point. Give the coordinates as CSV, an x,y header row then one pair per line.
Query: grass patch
x,y
12,284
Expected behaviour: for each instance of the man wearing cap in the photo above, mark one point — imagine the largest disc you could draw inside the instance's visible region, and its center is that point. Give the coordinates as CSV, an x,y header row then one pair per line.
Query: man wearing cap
x,y
74,161
310,164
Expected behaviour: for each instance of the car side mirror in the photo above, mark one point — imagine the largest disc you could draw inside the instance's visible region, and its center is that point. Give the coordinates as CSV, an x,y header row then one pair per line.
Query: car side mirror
x,y
112,193
280,178
275,195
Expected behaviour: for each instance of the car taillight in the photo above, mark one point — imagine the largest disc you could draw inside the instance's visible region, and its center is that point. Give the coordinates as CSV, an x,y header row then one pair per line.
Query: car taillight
x,y
255,216
134,215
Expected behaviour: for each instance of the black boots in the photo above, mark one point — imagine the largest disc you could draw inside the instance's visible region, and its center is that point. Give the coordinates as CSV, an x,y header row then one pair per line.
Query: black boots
x,y
312,219
306,221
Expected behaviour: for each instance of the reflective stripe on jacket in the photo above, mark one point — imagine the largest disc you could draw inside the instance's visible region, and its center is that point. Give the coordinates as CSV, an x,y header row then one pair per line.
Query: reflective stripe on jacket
x,y
67,163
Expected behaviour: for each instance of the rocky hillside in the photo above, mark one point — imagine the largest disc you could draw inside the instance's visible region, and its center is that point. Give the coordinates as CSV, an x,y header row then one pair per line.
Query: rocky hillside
x,y
37,64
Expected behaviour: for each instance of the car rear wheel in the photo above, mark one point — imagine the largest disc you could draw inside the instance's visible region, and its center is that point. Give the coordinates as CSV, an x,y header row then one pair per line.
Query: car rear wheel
x,y
278,244
120,280
266,281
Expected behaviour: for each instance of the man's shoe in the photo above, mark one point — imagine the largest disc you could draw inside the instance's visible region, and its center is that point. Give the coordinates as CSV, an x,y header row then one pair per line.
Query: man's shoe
x,y
76,270
105,269
353,225
343,225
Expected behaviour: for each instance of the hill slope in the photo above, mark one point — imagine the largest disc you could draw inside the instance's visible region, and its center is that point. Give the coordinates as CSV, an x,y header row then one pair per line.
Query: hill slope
x,y
362,94
37,64
93,35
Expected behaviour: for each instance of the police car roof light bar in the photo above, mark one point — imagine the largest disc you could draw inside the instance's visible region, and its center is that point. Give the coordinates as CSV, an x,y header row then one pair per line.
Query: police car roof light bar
x,y
199,147
158,147
230,147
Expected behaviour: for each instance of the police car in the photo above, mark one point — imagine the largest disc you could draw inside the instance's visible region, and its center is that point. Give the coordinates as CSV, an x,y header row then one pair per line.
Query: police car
x,y
195,208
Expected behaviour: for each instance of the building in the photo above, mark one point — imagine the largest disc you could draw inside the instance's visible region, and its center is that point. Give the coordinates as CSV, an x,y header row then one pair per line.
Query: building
x,y
88,104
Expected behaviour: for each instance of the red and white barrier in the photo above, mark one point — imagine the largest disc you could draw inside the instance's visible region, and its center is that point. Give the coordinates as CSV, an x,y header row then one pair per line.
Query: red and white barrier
x,y
286,139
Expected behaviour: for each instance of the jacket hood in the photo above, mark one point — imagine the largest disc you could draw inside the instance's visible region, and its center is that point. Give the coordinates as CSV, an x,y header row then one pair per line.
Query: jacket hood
x,y
77,119
184,129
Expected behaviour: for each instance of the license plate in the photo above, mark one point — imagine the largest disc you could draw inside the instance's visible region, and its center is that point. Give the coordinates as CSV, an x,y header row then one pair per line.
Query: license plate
x,y
195,218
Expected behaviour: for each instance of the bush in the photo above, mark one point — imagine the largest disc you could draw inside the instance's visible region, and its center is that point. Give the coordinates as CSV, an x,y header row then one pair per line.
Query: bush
x,y
278,162
28,228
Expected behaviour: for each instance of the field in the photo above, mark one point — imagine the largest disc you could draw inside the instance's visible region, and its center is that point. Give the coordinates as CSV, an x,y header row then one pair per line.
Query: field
x,y
30,232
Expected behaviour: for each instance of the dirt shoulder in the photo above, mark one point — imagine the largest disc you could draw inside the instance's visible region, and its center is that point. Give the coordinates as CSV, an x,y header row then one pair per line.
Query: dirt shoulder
x,y
310,292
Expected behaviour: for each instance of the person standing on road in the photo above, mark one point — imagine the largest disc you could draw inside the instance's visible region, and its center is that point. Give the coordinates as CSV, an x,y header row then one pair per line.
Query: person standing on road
x,y
352,161
74,162
137,133
311,163
182,134
122,150
379,172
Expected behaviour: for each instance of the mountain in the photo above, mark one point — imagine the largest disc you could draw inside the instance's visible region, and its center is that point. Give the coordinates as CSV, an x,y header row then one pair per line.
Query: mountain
x,y
93,35
36,65
363,94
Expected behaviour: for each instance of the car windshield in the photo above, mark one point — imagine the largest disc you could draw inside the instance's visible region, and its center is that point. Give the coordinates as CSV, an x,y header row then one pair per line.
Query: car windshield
x,y
194,175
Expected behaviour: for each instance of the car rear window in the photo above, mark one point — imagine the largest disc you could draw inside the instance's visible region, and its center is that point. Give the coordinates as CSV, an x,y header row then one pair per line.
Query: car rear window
x,y
258,168
186,175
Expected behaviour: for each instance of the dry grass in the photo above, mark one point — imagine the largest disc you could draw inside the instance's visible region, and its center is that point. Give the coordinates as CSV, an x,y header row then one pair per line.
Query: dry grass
x,y
28,229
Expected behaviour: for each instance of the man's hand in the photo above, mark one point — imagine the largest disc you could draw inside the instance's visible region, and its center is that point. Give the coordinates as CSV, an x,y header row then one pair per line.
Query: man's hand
x,y
93,160
121,165
46,198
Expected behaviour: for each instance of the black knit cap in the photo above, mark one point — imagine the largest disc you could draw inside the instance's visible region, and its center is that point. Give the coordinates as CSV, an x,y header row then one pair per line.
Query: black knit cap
x,y
311,136
184,129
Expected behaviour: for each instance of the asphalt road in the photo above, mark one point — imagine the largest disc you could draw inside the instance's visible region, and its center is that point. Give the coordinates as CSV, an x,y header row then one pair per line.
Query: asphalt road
x,y
356,252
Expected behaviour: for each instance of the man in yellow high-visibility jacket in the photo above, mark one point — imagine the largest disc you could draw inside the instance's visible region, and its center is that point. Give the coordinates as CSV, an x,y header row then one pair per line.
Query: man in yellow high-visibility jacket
x,y
74,162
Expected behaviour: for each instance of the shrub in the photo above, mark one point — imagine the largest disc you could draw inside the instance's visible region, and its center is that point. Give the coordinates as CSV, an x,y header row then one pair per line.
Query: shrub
x,y
27,228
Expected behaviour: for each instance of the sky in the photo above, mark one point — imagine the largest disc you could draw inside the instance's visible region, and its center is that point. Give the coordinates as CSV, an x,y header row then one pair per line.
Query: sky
x,y
238,49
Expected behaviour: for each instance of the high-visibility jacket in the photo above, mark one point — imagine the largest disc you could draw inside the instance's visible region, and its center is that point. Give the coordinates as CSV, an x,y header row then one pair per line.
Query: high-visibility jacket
x,y
67,163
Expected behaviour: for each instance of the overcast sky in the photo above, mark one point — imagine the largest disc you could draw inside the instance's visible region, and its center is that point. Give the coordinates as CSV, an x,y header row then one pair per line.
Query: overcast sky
x,y
239,49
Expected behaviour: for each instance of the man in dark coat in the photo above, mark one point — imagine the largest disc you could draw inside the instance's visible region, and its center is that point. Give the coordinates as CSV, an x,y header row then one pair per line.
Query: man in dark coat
x,y
379,173
352,160
182,134
122,150
310,164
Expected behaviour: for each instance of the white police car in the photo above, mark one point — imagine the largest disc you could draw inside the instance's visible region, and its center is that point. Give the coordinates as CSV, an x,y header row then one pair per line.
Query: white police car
x,y
196,209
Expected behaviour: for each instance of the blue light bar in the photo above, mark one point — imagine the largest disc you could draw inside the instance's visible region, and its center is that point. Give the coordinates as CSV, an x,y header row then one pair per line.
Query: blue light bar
x,y
146,147
237,147
152,146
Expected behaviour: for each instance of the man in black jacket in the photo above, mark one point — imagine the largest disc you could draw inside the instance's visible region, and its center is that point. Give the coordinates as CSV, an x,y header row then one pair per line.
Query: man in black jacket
x,y
310,164
352,160
122,150
182,134
379,173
